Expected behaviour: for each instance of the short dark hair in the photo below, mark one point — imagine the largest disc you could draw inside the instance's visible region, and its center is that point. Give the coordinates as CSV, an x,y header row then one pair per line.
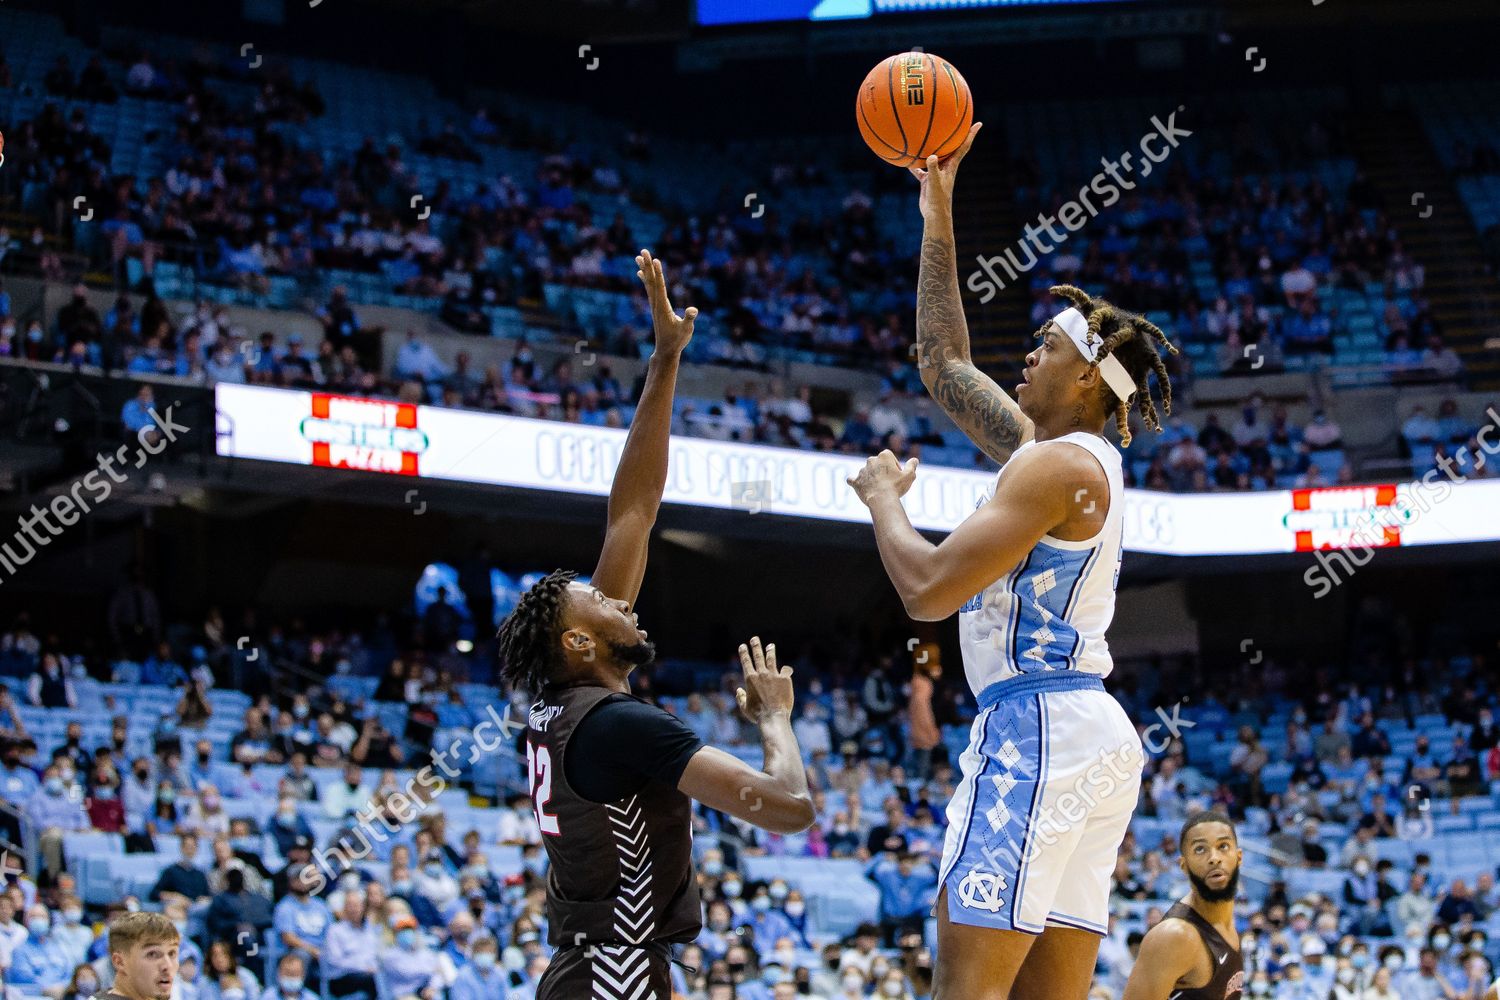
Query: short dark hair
x,y
1200,818
529,653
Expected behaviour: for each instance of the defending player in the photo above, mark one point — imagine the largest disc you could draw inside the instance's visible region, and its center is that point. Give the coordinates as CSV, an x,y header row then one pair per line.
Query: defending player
x,y
613,777
1194,952
1024,892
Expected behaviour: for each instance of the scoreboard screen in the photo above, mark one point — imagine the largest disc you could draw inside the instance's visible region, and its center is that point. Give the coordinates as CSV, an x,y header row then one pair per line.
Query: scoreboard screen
x,y
747,11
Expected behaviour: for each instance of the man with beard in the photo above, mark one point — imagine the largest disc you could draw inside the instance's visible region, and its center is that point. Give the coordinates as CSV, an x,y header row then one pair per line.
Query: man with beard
x,y
612,776
1193,952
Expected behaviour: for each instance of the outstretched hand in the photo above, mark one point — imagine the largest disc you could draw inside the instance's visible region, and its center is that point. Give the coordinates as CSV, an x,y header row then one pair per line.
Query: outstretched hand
x,y
768,688
937,176
672,331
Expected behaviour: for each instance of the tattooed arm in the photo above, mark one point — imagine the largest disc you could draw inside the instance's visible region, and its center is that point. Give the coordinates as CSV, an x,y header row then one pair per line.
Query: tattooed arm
x,y
980,408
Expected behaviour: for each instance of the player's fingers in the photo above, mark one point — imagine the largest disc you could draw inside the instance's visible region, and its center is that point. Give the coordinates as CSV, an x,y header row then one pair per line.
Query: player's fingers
x,y
910,468
973,131
740,697
918,172
771,657
745,664
758,653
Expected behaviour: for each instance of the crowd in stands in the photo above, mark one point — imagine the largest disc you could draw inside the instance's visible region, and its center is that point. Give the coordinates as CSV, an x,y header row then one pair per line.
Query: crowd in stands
x,y
245,200
1349,891
1287,254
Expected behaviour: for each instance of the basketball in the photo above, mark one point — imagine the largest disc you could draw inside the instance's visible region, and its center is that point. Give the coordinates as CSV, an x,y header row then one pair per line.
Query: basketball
x,y
913,105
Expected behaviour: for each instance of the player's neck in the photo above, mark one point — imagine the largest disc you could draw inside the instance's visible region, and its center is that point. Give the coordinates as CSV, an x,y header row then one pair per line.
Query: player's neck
x,y
121,988
1219,914
1070,422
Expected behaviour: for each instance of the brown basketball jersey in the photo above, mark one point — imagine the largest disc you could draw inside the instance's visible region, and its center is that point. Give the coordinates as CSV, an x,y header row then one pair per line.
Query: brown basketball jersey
x,y
1228,981
621,872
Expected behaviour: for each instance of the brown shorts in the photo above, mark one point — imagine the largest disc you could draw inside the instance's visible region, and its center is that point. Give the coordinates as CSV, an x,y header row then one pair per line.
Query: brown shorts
x,y
607,972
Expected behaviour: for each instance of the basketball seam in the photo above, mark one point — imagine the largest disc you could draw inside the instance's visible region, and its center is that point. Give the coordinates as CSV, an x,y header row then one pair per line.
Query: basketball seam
x,y
931,111
860,107
895,108
947,68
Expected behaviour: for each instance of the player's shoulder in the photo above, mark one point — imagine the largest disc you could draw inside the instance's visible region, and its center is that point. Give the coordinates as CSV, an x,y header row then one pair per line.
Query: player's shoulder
x,y
1170,933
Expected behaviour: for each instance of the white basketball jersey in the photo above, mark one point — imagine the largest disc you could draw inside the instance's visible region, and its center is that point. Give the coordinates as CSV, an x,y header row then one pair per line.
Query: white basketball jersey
x,y
1050,612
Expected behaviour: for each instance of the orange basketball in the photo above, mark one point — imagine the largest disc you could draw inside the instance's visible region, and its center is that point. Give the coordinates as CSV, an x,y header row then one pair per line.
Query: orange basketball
x,y
913,105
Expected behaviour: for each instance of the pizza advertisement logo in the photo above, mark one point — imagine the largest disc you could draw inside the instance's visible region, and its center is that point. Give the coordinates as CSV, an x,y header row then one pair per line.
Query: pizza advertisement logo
x,y
1345,517
367,434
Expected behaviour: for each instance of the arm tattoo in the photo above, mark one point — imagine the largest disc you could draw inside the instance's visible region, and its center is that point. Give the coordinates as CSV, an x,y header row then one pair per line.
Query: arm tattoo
x,y
970,398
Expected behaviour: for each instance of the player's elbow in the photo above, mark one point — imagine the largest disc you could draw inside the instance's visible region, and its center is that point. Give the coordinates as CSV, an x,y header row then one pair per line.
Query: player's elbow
x,y
794,815
923,604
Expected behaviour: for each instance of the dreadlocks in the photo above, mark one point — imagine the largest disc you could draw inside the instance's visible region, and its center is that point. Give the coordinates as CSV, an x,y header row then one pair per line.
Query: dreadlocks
x,y
529,652
1133,340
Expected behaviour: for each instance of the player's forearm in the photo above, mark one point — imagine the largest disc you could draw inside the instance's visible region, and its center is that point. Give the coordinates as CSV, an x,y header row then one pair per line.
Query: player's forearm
x,y
783,762
972,400
905,554
642,475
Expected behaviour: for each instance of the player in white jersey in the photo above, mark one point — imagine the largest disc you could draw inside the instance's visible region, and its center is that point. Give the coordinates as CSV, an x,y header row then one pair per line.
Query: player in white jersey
x,y
1053,767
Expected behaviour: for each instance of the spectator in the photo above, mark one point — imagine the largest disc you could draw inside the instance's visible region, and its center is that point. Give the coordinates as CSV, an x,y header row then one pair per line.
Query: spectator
x,y
49,686
301,920
411,968
344,798
291,980
481,979
41,961
349,952
54,812
182,879
906,889
238,914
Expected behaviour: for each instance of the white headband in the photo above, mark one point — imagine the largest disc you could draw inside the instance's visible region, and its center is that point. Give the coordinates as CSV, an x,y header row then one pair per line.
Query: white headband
x,y
1071,322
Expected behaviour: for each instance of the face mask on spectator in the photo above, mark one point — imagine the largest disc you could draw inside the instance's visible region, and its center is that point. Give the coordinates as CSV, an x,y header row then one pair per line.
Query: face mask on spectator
x,y
87,987
796,908
731,889
771,975
246,843
760,904
54,785
891,988
406,938
853,983
289,984
778,892
515,959
73,915
433,869
1441,942
484,961
39,926
1393,962
713,868
1361,868
1360,960
1346,976
233,994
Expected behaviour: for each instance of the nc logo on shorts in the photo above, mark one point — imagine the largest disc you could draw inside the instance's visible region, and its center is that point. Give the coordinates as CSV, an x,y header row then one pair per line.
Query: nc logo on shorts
x,y
980,890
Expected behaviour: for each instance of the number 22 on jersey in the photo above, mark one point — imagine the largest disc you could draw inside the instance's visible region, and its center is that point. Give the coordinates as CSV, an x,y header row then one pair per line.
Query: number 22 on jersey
x,y
539,776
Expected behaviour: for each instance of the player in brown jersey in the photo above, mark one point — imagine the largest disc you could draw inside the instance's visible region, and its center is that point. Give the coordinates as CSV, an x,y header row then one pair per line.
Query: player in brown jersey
x,y
1194,952
612,776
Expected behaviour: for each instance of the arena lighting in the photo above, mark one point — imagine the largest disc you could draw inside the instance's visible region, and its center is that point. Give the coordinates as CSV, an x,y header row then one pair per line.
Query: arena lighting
x,y
343,432
464,646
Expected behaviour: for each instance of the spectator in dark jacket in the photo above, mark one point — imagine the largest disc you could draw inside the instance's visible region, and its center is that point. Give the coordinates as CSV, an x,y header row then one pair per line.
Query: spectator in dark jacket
x,y
184,877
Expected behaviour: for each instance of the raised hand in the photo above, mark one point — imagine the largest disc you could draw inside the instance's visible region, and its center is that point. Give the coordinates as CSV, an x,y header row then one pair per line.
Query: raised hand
x,y
672,331
937,176
768,688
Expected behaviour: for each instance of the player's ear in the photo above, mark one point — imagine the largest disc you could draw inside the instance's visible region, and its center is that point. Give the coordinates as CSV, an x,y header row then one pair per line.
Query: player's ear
x,y
576,640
